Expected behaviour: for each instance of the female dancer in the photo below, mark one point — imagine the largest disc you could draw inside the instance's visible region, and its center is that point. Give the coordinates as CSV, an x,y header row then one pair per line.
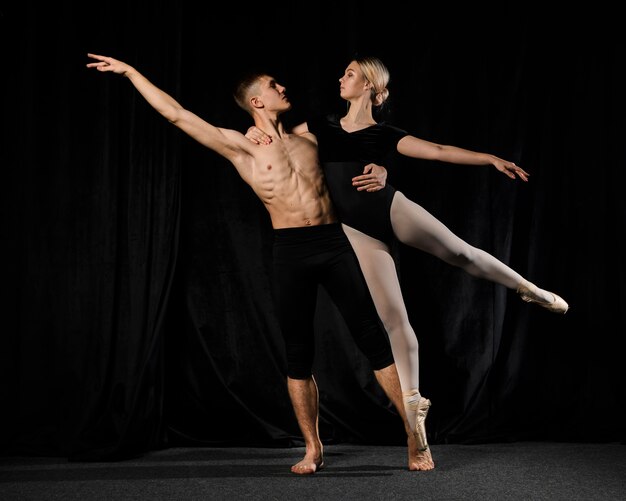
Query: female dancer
x,y
371,220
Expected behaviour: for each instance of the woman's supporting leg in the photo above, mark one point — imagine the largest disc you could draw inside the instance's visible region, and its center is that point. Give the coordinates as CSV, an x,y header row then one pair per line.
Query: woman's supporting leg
x,y
380,274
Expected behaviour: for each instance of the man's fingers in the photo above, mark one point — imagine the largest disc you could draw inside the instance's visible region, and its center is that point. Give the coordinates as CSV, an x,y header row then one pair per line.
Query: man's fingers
x,y
370,187
365,178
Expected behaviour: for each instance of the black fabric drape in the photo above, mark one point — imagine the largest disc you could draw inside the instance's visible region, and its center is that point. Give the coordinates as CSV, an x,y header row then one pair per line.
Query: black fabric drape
x,y
139,306
96,195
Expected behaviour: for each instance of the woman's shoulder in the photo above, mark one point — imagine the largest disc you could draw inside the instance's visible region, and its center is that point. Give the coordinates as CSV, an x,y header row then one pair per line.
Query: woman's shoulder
x,y
392,130
386,125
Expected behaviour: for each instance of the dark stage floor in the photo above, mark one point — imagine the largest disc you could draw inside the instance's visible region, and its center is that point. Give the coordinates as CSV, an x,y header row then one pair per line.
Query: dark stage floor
x,y
512,471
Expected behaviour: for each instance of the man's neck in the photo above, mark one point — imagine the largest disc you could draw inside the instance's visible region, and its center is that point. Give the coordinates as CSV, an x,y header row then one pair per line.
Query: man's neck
x,y
270,125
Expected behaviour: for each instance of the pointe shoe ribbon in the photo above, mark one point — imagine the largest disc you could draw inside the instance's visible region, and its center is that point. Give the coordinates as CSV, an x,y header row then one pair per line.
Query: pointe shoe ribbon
x,y
527,292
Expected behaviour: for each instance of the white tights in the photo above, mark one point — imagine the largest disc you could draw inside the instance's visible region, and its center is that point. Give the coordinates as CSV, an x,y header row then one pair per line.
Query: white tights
x,y
416,227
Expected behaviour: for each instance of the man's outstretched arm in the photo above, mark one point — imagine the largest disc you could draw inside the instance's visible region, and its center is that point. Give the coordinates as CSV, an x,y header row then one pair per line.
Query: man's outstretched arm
x,y
228,143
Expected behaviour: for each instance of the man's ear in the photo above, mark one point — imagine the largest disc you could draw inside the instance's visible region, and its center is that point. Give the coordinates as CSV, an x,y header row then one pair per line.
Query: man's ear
x,y
256,102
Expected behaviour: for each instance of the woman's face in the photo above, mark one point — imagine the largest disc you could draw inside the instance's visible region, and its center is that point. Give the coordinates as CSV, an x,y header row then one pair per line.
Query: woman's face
x,y
353,83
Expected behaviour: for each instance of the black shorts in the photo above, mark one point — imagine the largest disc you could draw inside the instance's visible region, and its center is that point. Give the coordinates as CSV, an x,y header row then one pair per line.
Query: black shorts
x,y
305,258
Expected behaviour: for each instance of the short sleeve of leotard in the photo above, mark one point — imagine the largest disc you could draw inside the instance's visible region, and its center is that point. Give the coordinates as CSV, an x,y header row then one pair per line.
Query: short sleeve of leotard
x,y
371,144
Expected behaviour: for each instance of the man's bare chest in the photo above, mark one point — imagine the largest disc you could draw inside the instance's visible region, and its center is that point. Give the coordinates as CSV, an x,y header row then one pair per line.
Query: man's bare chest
x,y
287,159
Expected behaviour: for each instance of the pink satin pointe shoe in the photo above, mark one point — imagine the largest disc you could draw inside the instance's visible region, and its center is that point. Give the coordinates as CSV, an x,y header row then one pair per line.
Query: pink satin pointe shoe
x,y
528,293
421,408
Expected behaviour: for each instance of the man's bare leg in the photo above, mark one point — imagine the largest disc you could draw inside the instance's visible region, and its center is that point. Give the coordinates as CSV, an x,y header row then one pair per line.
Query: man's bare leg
x,y
390,382
305,400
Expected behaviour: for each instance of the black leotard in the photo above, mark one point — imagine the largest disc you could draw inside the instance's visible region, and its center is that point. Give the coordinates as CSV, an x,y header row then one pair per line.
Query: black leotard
x,y
343,156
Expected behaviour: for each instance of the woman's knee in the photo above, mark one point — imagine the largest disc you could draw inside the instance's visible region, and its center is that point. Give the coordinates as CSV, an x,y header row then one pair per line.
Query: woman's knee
x,y
462,258
402,334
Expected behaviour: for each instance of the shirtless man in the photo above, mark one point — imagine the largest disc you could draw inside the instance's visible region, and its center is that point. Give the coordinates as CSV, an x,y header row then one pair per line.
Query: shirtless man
x,y
310,248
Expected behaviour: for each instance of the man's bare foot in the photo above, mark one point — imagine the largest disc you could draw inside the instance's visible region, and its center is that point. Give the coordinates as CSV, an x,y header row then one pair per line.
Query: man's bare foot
x,y
312,462
419,460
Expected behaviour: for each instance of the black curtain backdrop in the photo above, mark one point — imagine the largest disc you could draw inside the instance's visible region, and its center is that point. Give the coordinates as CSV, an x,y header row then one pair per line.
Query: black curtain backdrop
x,y
138,306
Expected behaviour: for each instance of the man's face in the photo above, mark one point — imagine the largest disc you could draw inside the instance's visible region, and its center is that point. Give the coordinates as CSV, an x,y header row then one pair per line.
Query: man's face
x,y
273,95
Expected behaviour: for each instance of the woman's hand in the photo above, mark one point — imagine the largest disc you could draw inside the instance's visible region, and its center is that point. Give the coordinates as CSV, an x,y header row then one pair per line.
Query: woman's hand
x,y
373,178
510,169
257,136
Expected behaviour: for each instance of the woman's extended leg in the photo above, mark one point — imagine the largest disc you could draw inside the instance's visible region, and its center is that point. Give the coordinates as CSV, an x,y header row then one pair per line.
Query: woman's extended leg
x,y
415,226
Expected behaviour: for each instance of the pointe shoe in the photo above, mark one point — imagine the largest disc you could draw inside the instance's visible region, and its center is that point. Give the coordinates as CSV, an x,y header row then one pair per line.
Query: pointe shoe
x,y
527,292
421,408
